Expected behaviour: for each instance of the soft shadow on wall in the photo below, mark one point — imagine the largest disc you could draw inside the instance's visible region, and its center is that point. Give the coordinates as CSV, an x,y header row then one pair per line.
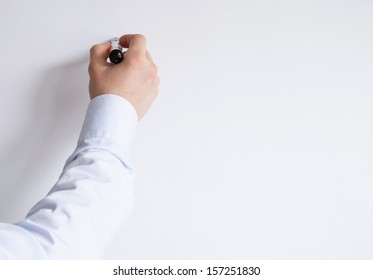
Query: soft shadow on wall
x,y
60,101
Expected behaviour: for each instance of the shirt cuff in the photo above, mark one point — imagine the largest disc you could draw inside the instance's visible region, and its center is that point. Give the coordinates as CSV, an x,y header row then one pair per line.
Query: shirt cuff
x,y
110,124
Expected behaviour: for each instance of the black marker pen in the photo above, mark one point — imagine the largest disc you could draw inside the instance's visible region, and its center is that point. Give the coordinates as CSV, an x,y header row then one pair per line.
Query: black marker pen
x,y
116,54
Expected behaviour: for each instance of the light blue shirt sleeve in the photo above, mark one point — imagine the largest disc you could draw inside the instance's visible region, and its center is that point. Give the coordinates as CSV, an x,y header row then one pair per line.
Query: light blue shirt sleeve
x,y
93,195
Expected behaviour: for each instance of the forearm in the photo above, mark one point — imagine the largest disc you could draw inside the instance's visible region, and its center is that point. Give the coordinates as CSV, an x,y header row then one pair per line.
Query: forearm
x,y
94,192
83,210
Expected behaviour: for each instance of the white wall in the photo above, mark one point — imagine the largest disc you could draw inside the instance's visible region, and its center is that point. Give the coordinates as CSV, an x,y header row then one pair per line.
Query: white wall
x,y
259,145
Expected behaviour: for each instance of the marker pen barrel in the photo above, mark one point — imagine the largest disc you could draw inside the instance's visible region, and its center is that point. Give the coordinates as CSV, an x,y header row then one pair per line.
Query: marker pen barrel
x,y
116,54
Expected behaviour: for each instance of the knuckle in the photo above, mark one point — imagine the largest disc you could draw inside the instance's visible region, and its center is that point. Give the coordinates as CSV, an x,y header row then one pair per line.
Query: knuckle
x,y
154,68
154,71
93,49
137,59
158,81
140,37
91,68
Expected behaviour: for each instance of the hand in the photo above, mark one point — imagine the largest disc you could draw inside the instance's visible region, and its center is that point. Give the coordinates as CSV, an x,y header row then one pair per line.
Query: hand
x,y
135,78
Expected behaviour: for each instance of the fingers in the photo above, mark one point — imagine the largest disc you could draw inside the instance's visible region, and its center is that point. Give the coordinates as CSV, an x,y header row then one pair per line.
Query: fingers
x,y
136,44
99,54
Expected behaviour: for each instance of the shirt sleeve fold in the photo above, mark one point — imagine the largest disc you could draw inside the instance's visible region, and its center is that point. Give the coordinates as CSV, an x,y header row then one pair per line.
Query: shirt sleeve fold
x,y
94,194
